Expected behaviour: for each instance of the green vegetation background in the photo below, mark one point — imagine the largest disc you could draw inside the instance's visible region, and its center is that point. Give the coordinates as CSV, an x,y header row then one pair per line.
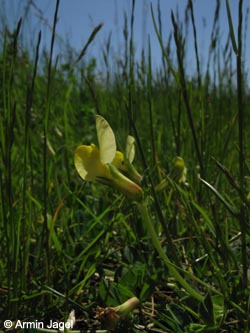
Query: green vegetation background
x,y
68,244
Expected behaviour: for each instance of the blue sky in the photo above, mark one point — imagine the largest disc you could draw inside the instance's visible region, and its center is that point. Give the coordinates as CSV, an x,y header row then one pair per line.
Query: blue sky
x,y
77,18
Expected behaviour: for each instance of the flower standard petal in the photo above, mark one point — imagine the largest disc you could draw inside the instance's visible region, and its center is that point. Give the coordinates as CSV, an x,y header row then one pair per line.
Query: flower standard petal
x,y
106,140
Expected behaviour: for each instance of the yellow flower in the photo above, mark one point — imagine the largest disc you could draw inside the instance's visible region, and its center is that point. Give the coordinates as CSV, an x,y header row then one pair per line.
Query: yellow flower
x,y
93,164
178,174
179,170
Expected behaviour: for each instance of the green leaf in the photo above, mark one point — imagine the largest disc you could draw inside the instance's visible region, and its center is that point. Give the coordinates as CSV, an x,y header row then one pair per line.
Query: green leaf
x,y
204,214
113,293
229,207
206,310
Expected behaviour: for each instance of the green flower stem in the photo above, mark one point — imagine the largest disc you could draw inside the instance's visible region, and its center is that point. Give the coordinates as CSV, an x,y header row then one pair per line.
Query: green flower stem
x,y
151,231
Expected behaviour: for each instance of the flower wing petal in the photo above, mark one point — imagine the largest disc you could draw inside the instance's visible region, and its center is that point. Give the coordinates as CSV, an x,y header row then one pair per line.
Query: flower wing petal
x,y
87,163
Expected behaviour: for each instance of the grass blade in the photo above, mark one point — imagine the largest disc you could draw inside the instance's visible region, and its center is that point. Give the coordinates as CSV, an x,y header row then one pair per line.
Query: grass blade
x,y
231,28
229,207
